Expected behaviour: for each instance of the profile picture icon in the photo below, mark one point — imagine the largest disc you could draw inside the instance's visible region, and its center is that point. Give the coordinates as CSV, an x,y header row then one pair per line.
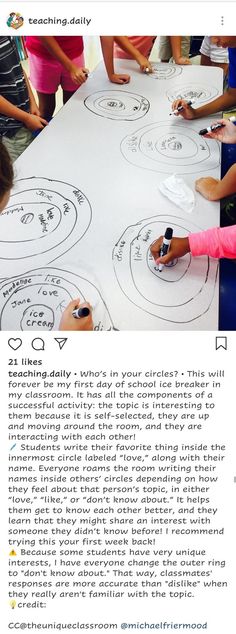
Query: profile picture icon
x,y
15,20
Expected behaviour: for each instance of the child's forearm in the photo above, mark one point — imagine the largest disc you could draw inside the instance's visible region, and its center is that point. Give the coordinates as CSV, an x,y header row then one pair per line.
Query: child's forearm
x,y
218,105
227,185
124,43
107,43
8,110
213,189
216,242
30,92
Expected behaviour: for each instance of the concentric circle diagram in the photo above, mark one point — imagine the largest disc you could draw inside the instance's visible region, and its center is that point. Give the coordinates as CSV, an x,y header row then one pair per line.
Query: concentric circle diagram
x,y
201,93
43,220
178,294
37,299
163,147
117,104
165,71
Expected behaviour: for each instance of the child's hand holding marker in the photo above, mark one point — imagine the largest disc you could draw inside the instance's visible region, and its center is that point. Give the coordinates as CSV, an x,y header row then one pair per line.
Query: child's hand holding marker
x,y
178,248
183,108
77,316
144,64
78,75
222,130
218,242
180,108
164,247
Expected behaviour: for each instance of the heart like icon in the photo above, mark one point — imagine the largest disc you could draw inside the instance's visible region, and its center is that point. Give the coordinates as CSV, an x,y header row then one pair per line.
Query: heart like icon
x,y
15,343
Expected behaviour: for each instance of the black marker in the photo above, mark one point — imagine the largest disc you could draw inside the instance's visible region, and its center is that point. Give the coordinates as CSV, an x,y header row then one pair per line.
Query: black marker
x,y
79,313
214,126
165,245
180,108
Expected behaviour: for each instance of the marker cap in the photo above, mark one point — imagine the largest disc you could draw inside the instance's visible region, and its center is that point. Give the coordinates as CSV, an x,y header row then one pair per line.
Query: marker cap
x,y
84,311
168,233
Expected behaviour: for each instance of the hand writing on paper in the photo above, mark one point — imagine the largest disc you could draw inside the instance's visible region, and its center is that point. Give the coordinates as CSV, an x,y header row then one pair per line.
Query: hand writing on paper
x,y
178,248
144,64
68,322
187,112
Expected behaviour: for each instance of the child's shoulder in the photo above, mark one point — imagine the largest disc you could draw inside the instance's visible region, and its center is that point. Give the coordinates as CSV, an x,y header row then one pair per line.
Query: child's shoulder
x,y
7,47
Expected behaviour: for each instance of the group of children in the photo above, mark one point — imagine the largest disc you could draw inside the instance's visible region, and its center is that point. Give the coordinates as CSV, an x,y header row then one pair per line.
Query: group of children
x,y
59,61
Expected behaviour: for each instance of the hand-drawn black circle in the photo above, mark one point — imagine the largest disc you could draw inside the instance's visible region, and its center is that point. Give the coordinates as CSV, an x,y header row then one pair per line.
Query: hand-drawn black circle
x,y
36,300
117,104
27,218
43,220
163,147
165,71
199,92
37,316
174,145
179,294
113,104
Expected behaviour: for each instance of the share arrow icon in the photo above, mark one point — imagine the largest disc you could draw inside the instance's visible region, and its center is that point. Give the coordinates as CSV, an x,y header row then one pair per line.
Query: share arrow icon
x,y
61,342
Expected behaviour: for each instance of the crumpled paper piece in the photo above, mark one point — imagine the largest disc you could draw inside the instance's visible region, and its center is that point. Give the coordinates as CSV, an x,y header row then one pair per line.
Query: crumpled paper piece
x,y
178,192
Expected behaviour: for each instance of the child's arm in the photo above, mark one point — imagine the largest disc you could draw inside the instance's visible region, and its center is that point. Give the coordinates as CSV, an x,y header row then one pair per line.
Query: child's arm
x,y
217,243
225,102
175,42
31,121
133,52
78,75
34,109
214,189
107,51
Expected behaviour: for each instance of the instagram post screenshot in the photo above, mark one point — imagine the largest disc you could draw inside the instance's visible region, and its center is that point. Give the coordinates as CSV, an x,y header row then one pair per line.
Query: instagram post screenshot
x,y
117,316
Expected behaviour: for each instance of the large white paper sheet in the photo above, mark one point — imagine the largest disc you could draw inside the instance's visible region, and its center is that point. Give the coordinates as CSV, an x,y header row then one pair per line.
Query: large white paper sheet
x,y
87,204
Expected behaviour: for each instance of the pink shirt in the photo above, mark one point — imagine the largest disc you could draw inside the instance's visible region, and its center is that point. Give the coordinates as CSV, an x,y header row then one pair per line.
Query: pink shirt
x,y
217,242
143,43
72,46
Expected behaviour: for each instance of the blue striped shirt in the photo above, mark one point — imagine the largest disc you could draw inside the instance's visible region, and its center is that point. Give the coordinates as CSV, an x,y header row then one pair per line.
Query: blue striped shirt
x,y
12,85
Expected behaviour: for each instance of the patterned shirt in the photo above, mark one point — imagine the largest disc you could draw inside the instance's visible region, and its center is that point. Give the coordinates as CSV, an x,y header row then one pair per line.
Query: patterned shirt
x,y
12,85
